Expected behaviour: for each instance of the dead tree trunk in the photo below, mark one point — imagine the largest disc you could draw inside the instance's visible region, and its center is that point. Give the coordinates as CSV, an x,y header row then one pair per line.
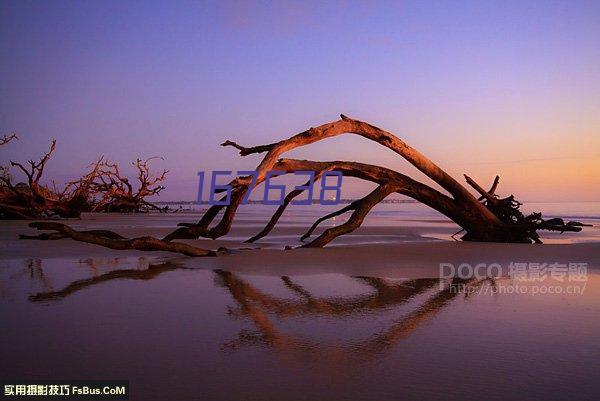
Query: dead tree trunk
x,y
495,220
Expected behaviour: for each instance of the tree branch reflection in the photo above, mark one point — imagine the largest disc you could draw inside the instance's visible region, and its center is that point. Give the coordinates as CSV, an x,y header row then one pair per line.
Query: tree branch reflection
x,y
151,272
257,306
261,308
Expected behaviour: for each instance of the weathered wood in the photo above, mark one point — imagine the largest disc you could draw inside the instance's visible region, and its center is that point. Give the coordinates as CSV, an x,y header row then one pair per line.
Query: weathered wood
x,y
103,188
279,212
494,219
117,194
361,208
32,199
345,125
110,241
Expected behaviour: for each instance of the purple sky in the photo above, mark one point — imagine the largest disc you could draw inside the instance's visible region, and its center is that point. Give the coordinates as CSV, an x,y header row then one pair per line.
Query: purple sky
x,y
480,87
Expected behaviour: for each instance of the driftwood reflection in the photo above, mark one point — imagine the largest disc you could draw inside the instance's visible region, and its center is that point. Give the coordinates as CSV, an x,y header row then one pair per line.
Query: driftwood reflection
x,y
257,306
385,295
149,273
267,311
34,271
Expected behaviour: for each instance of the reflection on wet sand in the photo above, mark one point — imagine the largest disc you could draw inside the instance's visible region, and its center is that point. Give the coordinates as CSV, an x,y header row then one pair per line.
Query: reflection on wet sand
x,y
255,305
258,306
33,268
149,273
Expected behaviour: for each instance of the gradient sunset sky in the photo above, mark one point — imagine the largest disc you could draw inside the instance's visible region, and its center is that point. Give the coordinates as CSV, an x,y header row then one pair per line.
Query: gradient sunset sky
x,y
484,88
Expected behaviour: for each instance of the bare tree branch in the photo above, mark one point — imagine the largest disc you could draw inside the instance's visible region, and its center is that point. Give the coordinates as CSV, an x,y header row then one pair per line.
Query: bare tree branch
x,y
140,243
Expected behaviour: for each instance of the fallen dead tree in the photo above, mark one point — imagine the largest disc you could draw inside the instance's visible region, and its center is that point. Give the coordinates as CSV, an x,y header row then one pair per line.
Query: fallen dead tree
x,y
34,200
488,218
484,217
116,193
102,189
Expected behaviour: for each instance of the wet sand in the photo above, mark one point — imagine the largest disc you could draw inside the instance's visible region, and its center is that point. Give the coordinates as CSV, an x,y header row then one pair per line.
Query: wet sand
x,y
413,248
364,319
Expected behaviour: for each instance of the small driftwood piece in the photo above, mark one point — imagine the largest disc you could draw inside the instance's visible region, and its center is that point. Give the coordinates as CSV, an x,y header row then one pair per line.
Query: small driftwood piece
x,y
113,240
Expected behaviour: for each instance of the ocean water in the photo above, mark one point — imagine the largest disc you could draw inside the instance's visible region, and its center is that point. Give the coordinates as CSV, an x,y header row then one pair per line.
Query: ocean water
x,y
583,211
411,214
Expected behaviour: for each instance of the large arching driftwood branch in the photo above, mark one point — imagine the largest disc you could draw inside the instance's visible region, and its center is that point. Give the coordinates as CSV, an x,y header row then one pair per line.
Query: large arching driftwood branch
x,y
491,220
343,126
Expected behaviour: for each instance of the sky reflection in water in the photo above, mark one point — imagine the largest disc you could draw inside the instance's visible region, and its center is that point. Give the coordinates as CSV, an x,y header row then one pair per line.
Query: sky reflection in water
x,y
180,332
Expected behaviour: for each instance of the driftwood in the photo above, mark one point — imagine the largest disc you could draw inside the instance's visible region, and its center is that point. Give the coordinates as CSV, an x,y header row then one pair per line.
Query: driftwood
x,y
117,194
103,188
484,217
113,240
488,218
35,200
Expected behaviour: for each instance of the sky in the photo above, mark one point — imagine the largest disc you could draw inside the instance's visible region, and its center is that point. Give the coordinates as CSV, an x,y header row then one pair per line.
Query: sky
x,y
484,88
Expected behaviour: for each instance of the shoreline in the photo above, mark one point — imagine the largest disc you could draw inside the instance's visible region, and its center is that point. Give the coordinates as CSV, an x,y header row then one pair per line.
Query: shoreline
x,y
404,250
